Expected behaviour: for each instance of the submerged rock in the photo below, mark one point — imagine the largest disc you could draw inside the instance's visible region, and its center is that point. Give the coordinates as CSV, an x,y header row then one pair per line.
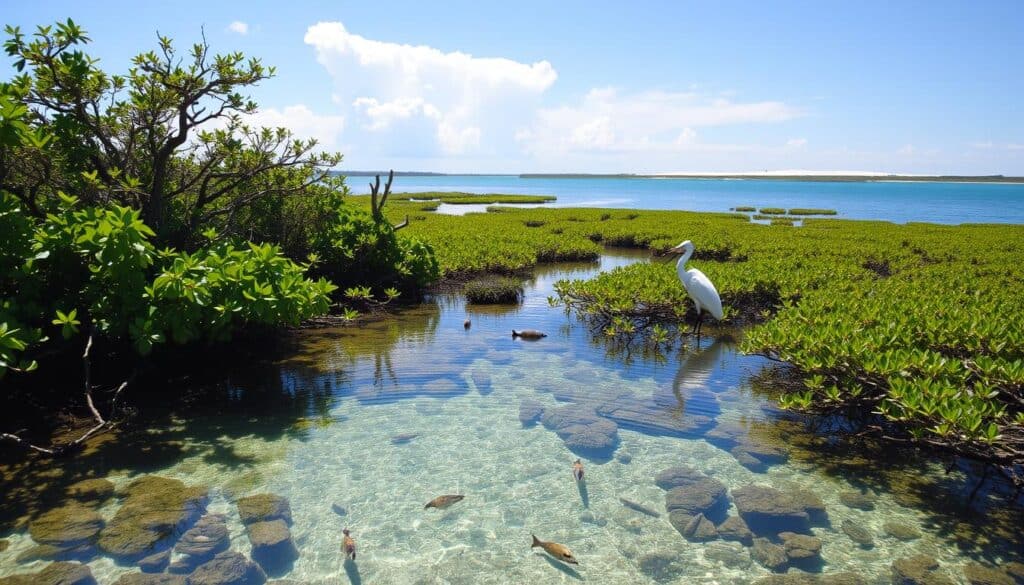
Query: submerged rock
x,y
918,570
734,528
48,552
155,509
91,490
768,511
979,574
662,567
771,556
697,529
860,500
530,412
681,476
731,554
67,526
208,537
858,533
582,430
901,531
150,579
651,418
272,545
811,579
228,568
156,562
59,573
4,544
707,497
264,507
801,547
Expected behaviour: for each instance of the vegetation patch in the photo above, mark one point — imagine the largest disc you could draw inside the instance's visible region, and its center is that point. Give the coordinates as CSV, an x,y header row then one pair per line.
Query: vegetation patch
x,y
459,198
782,221
493,291
744,208
772,211
811,211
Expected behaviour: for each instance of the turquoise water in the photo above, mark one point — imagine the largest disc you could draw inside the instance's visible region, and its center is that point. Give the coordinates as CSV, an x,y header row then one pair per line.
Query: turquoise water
x,y
899,202
318,425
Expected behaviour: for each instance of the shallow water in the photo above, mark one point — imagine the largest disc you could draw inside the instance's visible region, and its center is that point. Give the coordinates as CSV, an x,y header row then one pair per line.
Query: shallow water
x,y
339,397
900,202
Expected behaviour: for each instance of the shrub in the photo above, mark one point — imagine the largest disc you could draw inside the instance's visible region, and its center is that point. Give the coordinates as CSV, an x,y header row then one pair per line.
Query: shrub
x,y
746,209
772,211
811,211
493,291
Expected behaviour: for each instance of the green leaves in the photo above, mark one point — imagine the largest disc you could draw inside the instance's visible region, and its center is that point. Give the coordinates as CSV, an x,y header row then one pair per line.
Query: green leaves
x,y
67,322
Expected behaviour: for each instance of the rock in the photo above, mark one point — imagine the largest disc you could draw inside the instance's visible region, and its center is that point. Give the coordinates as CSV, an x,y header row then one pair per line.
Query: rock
x,y
707,497
582,430
697,528
770,556
48,552
860,500
769,511
624,458
272,545
810,579
228,568
155,509
156,562
59,573
66,526
801,546
734,528
4,544
730,554
747,460
918,570
681,476
812,503
530,412
858,533
91,490
651,418
206,538
1015,570
149,579
662,567
900,531
979,574
264,507
482,381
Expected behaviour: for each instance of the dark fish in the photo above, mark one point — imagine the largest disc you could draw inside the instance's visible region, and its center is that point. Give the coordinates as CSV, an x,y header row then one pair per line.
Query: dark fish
x,y
466,324
639,508
528,334
403,438
339,510
442,502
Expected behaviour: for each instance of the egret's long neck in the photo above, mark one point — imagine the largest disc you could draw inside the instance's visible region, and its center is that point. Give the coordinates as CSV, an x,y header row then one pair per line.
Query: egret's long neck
x,y
681,264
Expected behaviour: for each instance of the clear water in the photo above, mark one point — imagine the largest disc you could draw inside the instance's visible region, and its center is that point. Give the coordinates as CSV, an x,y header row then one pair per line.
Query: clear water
x,y
316,427
900,202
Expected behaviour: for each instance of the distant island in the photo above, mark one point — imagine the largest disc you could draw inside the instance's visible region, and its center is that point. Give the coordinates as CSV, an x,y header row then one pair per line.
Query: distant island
x,y
839,176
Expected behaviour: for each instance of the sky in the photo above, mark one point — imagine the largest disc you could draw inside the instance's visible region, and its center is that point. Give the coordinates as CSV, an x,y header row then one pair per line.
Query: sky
x,y
921,87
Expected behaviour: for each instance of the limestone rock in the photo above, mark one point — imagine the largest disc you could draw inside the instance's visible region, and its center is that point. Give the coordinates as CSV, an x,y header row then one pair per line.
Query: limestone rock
x,y
206,538
66,526
228,568
860,500
582,430
156,562
693,528
681,476
707,497
900,531
731,554
768,511
530,412
801,546
770,556
662,567
4,544
272,545
48,552
149,579
918,570
979,574
858,534
734,528
59,573
263,508
91,490
155,509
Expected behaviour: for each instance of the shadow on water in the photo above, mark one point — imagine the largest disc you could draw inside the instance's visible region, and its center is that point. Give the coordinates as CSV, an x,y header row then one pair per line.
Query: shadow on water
x,y
561,566
352,571
581,487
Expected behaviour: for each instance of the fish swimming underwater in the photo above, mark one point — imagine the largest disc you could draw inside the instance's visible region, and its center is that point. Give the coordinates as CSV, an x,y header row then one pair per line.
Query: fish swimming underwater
x,y
577,470
528,334
559,551
442,502
467,324
348,544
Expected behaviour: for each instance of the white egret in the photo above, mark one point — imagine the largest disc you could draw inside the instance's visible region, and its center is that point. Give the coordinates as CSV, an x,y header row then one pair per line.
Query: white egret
x,y
699,287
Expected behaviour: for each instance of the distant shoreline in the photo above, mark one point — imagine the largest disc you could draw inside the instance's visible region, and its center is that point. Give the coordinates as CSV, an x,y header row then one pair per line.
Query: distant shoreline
x,y
823,178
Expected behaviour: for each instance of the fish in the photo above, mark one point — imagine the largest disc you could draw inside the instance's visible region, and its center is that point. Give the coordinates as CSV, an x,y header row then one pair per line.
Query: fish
x,y
348,544
639,508
339,510
577,470
442,502
403,438
558,551
528,334
466,324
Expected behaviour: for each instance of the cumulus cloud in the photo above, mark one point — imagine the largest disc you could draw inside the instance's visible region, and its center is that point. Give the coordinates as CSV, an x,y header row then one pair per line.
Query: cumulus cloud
x,y
463,101
304,123
239,27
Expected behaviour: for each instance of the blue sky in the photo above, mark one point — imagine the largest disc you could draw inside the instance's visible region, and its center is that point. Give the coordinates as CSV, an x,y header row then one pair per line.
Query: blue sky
x,y
913,87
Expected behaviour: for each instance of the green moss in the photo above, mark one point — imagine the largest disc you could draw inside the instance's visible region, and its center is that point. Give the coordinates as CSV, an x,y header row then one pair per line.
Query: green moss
x,y
493,291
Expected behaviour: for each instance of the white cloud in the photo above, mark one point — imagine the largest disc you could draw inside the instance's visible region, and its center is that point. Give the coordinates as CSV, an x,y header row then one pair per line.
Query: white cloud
x,y
907,150
449,101
796,142
239,27
304,123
